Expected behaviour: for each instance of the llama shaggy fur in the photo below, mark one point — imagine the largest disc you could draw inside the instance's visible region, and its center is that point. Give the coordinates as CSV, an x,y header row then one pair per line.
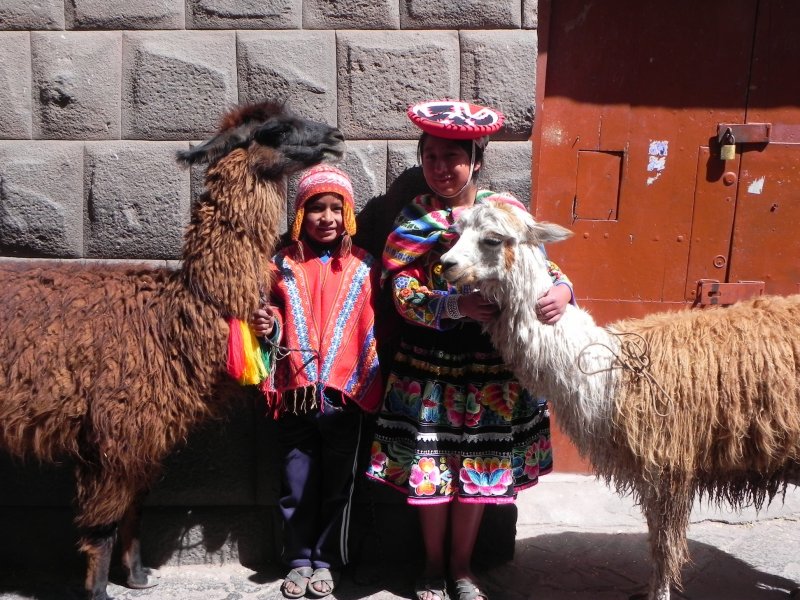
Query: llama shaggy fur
x,y
112,367
675,406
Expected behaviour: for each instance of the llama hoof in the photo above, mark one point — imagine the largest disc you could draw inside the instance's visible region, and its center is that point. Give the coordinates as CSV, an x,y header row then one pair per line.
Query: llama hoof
x,y
147,578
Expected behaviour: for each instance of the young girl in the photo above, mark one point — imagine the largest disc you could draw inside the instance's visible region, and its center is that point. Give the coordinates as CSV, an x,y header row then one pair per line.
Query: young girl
x,y
321,315
456,431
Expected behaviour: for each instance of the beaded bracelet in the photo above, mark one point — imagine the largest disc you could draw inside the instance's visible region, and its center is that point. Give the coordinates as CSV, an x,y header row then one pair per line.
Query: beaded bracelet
x,y
451,306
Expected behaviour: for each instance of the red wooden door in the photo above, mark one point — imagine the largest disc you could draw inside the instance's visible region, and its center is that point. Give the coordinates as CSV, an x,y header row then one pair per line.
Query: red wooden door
x,y
630,94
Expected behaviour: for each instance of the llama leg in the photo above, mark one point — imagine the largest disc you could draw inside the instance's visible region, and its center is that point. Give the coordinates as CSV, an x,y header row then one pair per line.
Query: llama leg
x,y
103,499
667,515
97,543
137,576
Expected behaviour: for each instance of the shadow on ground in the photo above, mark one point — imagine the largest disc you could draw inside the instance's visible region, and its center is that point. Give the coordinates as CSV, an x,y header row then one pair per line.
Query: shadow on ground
x,y
557,566
603,566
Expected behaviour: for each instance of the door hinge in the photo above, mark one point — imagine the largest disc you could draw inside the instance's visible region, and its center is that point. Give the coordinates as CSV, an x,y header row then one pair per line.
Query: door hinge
x,y
711,292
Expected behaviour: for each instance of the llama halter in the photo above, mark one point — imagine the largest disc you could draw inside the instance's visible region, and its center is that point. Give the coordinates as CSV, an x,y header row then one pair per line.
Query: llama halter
x,y
633,356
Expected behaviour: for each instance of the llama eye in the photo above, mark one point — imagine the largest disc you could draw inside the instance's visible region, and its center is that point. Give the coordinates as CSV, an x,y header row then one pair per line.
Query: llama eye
x,y
491,242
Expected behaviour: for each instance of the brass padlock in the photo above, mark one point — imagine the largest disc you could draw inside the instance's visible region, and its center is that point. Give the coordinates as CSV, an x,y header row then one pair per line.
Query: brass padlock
x,y
727,150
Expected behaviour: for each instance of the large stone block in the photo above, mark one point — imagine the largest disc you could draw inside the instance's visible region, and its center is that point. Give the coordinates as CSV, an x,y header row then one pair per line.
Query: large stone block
x,y
24,14
498,68
507,168
530,14
76,80
33,484
401,156
382,73
296,67
176,85
15,85
351,14
137,200
122,14
28,527
216,467
243,14
365,162
268,468
460,14
41,198
209,535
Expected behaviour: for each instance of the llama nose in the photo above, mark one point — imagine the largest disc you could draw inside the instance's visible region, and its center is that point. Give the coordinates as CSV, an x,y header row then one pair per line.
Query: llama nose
x,y
446,263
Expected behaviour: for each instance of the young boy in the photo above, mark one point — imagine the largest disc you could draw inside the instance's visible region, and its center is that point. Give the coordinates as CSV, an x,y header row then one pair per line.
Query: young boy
x,y
322,317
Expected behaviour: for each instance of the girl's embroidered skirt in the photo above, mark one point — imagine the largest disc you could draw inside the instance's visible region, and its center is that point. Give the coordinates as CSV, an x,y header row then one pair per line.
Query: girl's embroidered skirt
x,y
455,422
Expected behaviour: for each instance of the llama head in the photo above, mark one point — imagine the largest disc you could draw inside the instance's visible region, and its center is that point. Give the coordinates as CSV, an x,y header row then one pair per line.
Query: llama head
x,y
277,142
491,237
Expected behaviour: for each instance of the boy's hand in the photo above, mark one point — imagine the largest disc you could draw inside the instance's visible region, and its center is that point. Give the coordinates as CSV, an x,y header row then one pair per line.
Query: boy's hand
x,y
263,321
552,304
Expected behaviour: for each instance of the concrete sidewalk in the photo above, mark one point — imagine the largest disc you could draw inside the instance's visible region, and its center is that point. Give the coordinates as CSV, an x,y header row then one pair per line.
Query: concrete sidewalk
x,y
576,540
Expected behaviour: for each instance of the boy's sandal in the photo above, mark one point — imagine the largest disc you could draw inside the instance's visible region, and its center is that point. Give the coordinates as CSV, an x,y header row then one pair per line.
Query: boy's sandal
x,y
435,587
299,576
467,590
324,576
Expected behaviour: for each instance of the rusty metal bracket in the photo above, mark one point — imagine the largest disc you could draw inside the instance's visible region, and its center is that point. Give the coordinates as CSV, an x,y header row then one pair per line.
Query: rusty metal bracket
x,y
710,292
745,133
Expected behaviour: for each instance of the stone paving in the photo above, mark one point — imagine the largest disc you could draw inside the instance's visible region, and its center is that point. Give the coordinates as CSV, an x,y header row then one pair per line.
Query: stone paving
x,y
576,540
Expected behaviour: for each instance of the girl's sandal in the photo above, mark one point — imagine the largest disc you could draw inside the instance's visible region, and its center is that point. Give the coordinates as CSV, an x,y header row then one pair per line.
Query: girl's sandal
x,y
435,587
325,577
467,590
299,577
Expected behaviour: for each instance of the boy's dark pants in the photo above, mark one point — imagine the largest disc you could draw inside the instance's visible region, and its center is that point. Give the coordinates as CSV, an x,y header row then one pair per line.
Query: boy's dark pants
x,y
319,452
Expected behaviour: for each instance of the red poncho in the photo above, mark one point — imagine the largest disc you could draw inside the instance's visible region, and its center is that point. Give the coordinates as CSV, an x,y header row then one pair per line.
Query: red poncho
x,y
325,310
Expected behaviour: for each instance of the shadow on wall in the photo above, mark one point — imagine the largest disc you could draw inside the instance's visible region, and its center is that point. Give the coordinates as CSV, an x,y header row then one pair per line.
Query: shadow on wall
x,y
214,502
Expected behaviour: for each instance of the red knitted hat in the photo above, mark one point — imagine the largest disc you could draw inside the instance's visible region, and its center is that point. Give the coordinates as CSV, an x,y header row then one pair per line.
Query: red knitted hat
x,y
324,179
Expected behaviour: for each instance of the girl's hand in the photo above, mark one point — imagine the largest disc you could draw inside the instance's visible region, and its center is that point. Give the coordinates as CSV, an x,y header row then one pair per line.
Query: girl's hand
x,y
263,321
552,304
477,307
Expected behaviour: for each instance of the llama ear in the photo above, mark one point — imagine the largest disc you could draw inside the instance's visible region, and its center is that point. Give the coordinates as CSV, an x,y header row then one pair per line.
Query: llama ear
x,y
542,233
212,150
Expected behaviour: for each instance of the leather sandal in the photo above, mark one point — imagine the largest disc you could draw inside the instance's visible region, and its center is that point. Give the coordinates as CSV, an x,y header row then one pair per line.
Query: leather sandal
x,y
434,586
300,577
467,590
325,576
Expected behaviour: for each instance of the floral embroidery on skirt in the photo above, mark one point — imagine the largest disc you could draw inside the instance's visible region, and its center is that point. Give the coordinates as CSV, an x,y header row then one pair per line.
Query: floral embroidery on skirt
x,y
456,423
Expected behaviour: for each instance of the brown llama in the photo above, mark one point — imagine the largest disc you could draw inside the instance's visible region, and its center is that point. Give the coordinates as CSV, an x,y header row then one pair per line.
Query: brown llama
x,y
668,408
112,367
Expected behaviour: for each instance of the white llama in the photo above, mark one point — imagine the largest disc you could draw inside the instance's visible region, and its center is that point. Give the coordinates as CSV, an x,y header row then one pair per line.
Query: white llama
x,y
667,408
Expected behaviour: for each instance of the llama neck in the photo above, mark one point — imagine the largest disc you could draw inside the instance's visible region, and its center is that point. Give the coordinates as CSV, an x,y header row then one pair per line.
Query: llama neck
x,y
227,251
568,363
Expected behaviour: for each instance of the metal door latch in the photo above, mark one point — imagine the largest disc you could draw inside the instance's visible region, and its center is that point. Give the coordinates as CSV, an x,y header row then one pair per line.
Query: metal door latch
x,y
710,292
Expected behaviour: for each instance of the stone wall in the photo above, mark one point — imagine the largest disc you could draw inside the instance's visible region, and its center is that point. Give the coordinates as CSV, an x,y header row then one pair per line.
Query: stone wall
x,y
95,98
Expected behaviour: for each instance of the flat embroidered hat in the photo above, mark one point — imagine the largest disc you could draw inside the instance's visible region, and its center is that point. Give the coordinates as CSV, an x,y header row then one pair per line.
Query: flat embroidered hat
x,y
455,119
